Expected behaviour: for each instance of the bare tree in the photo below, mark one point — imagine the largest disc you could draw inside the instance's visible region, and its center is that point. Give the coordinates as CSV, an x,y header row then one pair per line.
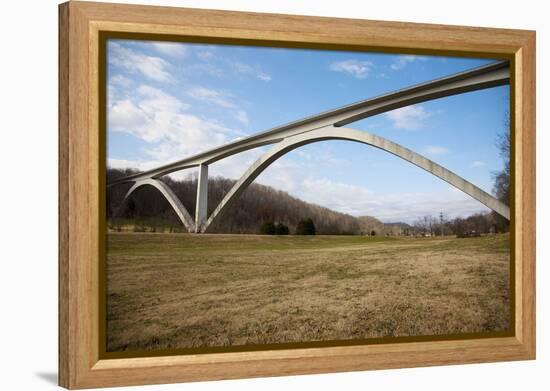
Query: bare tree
x,y
501,186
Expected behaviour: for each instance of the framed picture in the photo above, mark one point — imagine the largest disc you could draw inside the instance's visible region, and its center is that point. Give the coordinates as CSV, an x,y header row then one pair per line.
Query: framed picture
x,y
247,195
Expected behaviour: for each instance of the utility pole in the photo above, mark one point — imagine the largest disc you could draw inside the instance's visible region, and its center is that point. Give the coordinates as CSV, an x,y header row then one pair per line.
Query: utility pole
x,y
441,222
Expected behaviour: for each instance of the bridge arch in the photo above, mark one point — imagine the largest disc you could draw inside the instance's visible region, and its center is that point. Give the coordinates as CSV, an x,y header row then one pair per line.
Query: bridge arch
x,y
169,195
328,126
341,133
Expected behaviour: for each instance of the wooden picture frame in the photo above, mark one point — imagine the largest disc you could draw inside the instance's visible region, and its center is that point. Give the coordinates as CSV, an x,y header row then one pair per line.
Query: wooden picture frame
x,y
81,147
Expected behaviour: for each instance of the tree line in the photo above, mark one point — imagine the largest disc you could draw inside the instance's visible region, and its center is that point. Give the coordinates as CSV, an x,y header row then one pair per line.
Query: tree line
x,y
304,227
265,210
474,225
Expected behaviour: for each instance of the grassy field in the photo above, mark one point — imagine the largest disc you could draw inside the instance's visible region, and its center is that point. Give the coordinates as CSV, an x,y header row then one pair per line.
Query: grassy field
x,y
183,290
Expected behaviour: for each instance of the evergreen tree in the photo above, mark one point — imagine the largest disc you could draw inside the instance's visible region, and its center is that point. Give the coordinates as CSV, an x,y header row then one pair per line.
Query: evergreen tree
x,y
281,229
305,227
267,228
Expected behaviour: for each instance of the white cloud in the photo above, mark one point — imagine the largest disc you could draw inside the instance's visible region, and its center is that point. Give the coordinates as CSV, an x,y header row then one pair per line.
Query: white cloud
x,y
214,65
263,76
137,164
212,96
246,69
206,69
162,120
304,155
358,69
361,201
296,177
322,156
234,166
125,116
143,165
409,207
221,99
241,67
172,49
477,163
205,55
154,101
242,117
152,67
435,150
402,61
120,81
409,117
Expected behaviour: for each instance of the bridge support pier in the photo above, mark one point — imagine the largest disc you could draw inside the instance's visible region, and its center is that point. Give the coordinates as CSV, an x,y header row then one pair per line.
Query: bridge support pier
x,y
201,209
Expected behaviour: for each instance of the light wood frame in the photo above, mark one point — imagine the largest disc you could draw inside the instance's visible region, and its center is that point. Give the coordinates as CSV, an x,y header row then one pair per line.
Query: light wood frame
x,y
80,145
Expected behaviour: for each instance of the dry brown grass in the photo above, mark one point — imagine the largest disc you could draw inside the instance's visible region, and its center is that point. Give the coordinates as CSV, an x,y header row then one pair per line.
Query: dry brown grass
x,y
182,291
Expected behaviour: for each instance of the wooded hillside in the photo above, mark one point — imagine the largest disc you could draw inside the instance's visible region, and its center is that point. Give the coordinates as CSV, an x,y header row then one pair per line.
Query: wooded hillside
x,y
259,204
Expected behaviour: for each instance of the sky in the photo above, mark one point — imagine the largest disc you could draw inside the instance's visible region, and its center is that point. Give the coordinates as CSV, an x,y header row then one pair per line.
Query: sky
x,y
167,101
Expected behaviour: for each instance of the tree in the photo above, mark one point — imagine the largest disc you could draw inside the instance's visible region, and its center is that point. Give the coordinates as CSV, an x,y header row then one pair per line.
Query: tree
x,y
424,225
501,186
305,227
130,207
281,229
267,228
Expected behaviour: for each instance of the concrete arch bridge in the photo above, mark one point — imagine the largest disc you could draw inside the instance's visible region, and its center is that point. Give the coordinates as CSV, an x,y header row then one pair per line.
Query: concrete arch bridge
x,y
330,125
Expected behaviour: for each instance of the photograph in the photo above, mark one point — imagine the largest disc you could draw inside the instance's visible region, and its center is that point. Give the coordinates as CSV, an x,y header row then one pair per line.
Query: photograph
x,y
261,197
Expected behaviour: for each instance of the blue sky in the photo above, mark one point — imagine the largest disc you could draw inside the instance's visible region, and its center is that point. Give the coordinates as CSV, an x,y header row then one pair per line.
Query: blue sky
x,y
167,101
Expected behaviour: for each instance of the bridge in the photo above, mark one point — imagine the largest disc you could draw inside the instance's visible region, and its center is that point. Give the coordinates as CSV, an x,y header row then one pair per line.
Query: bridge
x,y
329,125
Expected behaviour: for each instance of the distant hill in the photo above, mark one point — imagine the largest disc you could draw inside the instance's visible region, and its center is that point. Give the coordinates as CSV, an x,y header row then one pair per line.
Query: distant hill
x,y
367,224
397,229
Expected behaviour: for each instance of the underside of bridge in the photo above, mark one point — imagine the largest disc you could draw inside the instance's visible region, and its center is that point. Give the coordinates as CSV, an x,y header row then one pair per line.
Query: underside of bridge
x,y
325,126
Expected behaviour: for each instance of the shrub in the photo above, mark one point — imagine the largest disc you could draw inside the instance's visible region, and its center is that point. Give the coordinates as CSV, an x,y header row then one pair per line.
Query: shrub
x,y
305,227
281,229
267,228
